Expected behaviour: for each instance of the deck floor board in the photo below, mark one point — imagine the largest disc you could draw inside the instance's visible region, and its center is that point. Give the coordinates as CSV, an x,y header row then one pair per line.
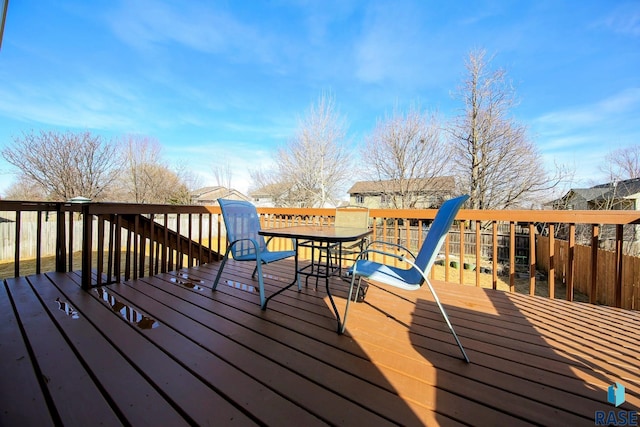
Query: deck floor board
x,y
167,350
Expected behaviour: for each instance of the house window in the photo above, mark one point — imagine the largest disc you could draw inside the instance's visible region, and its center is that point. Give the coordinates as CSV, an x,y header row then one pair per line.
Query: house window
x,y
359,199
385,200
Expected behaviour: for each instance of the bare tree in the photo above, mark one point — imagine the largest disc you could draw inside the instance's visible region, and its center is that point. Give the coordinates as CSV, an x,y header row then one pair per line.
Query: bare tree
x,y
145,177
65,165
496,161
316,163
223,173
623,163
406,155
268,183
25,189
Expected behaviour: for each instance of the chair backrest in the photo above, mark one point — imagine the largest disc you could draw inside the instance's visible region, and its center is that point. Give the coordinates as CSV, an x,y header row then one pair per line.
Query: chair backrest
x,y
436,235
242,222
348,216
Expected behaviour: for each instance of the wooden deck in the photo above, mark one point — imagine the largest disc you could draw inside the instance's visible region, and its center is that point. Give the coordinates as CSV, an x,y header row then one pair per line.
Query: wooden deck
x,y
165,350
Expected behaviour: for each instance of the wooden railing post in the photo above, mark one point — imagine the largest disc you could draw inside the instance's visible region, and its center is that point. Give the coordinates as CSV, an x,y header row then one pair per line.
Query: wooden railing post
x,y
618,265
532,259
494,256
16,255
595,243
571,261
512,256
87,244
61,239
552,261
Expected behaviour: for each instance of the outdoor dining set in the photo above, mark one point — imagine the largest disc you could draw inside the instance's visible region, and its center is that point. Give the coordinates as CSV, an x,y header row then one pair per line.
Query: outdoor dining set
x,y
339,249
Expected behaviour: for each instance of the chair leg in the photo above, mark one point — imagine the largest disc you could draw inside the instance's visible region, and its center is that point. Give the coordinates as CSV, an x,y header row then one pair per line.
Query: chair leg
x,y
446,319
263,301
346,309
224,261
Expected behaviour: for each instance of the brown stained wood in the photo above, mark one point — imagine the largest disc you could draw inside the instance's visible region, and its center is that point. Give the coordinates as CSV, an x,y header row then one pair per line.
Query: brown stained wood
x,y
618,266
552,262
100,249
77,399
21,396
16,258
179,386
595,244
478,254
533,360
120,380
499,336
87,245
512,256
571,261
461,266
532,260
38,241
70,254
494,255
263,363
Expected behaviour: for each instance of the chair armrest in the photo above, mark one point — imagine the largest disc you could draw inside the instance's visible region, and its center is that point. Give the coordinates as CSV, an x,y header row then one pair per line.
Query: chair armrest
x,y
293,242
393,245
400,257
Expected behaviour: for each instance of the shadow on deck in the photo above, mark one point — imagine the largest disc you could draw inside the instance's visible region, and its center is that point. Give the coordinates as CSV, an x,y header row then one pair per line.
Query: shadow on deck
x,y
165,350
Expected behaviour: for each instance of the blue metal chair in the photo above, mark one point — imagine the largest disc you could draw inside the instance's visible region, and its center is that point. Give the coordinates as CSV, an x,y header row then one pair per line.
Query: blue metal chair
x,y
245,244
413,277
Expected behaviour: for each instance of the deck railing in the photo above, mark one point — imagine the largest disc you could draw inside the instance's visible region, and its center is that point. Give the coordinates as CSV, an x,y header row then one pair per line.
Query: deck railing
x,y
110,242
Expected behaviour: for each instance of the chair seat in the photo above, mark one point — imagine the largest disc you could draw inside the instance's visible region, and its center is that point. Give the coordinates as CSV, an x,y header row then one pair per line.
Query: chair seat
x,y
409,279
268,256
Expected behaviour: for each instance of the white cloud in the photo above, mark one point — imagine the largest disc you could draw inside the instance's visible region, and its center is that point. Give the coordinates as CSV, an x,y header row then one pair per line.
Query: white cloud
x,y
93,106
622,106
581,136
625,19
147,25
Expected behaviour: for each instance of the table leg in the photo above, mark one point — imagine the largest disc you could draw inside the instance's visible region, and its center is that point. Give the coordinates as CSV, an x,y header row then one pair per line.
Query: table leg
x,y
296,279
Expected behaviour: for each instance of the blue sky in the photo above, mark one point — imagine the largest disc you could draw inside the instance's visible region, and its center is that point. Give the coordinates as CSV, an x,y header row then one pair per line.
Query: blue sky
x,y
228,80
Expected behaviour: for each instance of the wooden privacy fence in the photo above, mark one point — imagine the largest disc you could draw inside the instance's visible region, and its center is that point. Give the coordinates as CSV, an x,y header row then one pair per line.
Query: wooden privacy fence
x,y
585,271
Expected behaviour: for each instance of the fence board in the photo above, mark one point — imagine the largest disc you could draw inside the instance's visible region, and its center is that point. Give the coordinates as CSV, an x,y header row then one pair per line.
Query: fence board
x,y
606,273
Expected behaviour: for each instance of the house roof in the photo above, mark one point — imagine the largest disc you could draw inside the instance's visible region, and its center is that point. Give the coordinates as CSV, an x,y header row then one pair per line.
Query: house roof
x,y
589,194
208,195
269,190
608,191
620,189
442,183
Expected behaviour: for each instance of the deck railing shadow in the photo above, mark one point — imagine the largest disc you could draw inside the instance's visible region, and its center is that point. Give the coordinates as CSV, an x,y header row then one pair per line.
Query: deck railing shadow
x,y
525,355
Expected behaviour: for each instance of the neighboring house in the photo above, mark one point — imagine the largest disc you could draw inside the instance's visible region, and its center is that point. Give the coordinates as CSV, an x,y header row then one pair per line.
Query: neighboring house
x,y
268,196
208,196
617,195
280,195
424,193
